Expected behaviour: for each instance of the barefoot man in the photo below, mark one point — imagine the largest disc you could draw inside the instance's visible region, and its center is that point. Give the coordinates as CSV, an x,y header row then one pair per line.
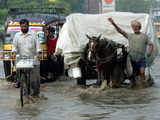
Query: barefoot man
x,y
138,42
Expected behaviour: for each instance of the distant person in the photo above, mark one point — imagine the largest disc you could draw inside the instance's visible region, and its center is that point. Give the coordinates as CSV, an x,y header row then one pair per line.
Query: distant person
x,y
51,40
26,44
53,65
138,42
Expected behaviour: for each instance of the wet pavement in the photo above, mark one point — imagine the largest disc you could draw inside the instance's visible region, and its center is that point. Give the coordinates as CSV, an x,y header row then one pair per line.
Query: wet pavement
x,y
66,102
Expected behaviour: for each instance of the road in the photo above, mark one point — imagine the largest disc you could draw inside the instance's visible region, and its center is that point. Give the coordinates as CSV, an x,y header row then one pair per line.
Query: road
x,y
66,101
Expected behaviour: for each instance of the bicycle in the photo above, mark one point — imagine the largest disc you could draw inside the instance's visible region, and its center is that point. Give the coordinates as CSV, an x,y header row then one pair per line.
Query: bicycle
x,y
24,65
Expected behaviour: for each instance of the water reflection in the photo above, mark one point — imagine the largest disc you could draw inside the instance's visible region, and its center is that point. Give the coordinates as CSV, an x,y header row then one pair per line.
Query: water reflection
x,y
27,113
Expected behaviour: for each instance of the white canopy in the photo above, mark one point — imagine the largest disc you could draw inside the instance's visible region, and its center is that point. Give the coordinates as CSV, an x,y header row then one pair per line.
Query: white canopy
x,y
72,37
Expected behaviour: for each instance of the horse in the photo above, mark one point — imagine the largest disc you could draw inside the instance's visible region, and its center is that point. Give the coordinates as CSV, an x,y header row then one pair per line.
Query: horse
x,y
104,53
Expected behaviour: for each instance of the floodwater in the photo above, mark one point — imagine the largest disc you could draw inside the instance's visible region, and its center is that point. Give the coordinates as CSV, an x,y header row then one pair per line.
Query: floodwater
x,y
66,102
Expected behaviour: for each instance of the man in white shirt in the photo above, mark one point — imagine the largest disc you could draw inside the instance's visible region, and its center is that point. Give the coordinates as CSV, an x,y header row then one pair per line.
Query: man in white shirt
x,y
26,44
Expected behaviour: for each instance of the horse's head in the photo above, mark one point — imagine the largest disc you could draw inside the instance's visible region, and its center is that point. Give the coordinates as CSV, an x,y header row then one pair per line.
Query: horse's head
x,y
102,48
93,42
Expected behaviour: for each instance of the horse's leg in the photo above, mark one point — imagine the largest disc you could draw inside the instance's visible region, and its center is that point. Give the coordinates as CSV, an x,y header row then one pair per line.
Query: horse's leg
x,y
107,79
99,79
99,75
109,76
104,81
110,82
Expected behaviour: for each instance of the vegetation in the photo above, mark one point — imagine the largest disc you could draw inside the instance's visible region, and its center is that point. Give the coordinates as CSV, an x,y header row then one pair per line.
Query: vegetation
x,y
71,6
3,13
136,6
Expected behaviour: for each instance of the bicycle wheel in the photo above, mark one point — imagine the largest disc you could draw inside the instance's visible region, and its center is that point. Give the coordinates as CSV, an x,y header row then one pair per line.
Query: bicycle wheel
x,y
22,79
27,83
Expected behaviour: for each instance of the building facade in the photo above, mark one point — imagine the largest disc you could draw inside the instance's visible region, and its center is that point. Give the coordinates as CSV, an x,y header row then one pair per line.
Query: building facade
x,y
93,6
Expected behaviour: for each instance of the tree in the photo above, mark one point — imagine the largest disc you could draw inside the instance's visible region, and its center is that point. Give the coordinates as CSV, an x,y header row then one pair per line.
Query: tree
x,y
76,5
3,15
63,4
23,3
133,5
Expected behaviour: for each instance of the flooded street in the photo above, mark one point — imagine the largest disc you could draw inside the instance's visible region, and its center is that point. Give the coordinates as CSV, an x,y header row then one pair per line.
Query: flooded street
x,y
102,38
65,101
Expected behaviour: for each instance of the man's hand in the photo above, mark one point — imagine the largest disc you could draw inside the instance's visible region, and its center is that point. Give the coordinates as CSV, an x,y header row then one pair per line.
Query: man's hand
x,y
58,52
150,50
39,55
149,53
13,55
53,57
45,28
111,20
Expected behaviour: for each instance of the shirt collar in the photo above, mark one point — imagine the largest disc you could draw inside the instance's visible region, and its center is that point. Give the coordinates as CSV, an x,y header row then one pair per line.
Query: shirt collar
x,y
28,33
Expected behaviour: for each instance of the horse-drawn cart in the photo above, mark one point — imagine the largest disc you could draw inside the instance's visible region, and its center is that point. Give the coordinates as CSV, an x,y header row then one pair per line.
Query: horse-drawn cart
x,y
73,41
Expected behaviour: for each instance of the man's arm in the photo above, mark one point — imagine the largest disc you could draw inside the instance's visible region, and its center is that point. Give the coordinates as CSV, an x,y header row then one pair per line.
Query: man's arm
x,y
14,48
38,47
150,49
150,44
13,55
118,28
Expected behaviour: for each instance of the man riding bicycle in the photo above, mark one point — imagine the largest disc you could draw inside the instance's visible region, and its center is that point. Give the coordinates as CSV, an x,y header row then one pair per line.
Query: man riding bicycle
x,y
26,44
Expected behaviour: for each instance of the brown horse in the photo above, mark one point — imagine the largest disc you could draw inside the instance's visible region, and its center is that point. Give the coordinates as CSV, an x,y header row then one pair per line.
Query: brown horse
x,y
104,52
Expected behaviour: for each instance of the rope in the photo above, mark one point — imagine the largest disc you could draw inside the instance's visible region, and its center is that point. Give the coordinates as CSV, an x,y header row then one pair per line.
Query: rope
x,y
106,59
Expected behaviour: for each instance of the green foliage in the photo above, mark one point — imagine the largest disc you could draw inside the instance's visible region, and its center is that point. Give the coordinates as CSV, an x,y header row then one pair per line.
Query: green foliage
x,y
76,5
71,6
31,3
23,3
3,15
137,6
63,4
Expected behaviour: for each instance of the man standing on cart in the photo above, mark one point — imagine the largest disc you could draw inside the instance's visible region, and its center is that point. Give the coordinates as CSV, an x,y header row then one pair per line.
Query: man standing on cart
x,y
26,43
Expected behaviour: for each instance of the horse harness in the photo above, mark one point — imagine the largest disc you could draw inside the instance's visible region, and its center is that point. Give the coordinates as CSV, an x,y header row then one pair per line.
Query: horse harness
x,y
100,60
107,59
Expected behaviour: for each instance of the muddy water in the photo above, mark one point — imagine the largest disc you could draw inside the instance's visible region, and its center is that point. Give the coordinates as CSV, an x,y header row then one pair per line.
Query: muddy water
x,y
66,102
